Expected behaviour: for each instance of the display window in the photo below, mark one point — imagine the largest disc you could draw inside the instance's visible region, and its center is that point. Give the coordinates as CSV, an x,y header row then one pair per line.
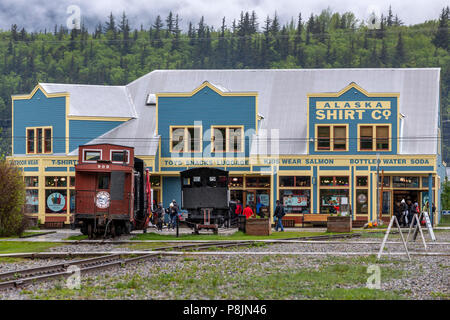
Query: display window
x,y
331,200
296,201
55,201
32,201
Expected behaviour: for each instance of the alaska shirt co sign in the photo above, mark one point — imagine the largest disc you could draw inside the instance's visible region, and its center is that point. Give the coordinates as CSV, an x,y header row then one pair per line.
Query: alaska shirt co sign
x,y
352,107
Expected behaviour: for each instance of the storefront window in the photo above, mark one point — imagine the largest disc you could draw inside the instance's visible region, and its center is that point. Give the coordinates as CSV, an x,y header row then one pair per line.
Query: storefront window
x,y
386,208
32,201
405,182
330,200
32,182
362,201
258,182
386,181
56,181
72,182
287,181
425,182
296,201
262,202
302,181
236,182
326,181
56,201
334,181
361,181
251,182
155,181
341,181
72,194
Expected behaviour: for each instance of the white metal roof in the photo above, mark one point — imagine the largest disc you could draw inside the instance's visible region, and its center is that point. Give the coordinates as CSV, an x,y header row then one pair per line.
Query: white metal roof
x,y
282,100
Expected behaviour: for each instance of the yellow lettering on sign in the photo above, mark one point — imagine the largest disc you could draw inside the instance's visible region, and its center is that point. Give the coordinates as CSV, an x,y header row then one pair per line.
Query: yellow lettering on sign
x,y
320,115
353,105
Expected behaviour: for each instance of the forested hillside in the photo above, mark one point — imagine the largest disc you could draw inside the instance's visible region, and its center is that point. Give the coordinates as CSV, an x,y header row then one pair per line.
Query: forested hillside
x,y
116,54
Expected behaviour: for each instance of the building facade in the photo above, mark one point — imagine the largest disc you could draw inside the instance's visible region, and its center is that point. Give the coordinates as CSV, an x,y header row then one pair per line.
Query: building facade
x,y
318,140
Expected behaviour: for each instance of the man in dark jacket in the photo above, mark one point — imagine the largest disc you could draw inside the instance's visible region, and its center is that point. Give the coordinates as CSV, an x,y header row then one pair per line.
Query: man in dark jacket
x,y
173,214
279,214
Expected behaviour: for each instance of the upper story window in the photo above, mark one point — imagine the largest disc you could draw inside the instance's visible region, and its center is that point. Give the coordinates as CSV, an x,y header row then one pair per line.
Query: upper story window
x,y
227,139
186,139
119,156
92,155
374,138
331,138
39,140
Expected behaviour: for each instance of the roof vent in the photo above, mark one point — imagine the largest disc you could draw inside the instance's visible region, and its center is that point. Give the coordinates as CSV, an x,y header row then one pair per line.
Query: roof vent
x,y
151,99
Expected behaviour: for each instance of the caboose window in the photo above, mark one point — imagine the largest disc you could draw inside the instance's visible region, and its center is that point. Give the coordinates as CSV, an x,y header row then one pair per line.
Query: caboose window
x,y
92,155
197,181
119,156
186,181
103,181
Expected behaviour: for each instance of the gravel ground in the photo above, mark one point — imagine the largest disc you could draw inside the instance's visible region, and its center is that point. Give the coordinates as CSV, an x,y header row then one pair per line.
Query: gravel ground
x,y
426,277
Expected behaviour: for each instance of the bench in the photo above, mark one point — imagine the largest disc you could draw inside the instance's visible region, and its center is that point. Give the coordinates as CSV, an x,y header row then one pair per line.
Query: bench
x,y
288,223
315,219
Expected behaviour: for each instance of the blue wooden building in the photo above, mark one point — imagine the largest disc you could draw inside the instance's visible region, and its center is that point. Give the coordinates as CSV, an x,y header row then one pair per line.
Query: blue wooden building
x,y
314,139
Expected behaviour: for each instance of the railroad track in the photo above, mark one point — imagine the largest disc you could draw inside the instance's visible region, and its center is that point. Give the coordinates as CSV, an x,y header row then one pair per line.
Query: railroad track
x,y
14,279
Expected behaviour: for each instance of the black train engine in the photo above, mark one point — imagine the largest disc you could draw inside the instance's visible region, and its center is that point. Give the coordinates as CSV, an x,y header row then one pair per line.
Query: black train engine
x,y
205,195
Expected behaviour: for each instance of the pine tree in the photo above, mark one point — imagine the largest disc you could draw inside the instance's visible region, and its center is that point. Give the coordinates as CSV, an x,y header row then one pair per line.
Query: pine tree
x,y
176,31
399,57
157,27
383,54
169,24
390,18
441,37
124,29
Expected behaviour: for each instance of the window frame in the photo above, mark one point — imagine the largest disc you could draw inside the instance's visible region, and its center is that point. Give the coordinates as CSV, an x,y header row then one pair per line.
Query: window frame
x,y
92,161
332,126
228,138
186,142
374,136
42,140
121,151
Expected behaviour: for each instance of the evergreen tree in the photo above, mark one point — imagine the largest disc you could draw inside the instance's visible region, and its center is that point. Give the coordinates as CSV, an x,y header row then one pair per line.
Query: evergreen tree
x,y
399,57
169,24
390,18
441,37
157,27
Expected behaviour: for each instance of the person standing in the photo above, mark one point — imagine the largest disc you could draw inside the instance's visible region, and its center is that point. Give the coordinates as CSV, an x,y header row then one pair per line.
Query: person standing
x,y
248,212
404,210
398,211
173,214
159,216
238,210
279,214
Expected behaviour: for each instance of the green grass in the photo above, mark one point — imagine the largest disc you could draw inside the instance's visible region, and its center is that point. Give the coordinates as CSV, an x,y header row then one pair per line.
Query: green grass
x,y
267,277
445,221
25,246
79,237
239,235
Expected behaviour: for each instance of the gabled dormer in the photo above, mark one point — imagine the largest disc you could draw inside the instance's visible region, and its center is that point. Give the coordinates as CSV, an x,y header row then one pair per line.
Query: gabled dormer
x,y
209,121
353,121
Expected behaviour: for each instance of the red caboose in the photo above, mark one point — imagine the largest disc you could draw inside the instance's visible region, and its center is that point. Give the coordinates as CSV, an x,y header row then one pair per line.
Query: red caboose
x,y
111,190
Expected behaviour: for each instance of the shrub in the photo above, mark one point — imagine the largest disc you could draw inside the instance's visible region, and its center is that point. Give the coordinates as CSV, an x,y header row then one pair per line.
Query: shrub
x,y
12,200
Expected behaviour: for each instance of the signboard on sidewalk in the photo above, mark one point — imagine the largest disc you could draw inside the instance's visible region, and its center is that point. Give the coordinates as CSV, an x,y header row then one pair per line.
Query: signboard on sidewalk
x,y
430,228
